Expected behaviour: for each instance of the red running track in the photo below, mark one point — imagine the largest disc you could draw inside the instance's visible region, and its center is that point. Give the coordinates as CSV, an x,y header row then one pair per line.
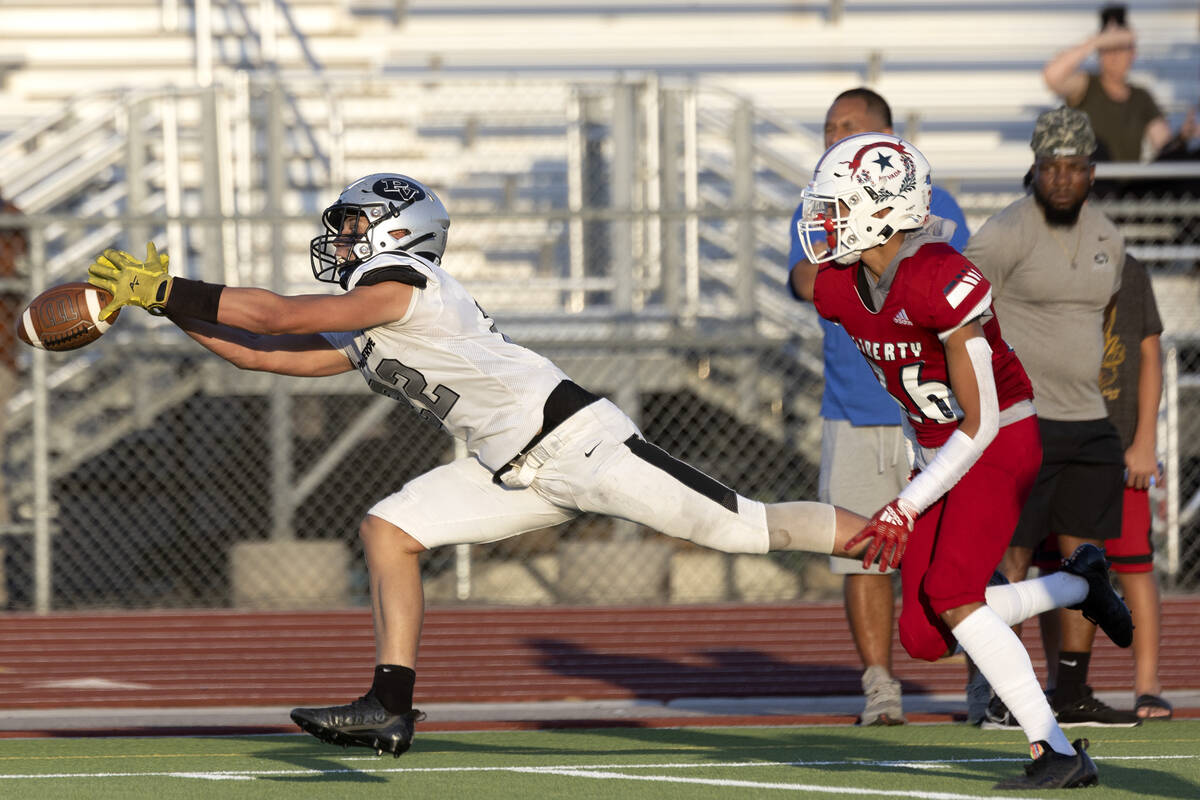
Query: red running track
x,y
232,658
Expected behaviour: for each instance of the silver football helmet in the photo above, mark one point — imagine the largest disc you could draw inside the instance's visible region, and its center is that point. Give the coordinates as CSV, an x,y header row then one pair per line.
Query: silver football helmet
x,y
377,214
858,178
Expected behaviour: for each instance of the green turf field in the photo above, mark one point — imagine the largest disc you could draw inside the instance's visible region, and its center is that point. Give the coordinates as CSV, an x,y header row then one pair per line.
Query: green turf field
x,y
918,761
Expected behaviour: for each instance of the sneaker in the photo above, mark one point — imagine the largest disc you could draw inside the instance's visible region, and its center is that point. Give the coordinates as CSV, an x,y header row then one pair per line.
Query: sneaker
x,y
1051,770
1102,606
998,717
883,699
1089,711
365,723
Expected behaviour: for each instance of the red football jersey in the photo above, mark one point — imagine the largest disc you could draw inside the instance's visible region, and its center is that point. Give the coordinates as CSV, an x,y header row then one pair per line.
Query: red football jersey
x,y
934,290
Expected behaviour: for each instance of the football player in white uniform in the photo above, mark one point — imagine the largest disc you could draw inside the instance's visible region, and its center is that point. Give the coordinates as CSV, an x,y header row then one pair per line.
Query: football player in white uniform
x,y
541,449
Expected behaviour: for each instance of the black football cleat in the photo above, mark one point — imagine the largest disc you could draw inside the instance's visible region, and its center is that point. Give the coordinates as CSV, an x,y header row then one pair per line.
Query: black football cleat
x,y
1051,770
363,723
1102,606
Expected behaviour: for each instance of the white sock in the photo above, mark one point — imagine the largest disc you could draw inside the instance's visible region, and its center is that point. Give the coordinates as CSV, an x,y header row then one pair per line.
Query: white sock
x,y
1017,602
1002,659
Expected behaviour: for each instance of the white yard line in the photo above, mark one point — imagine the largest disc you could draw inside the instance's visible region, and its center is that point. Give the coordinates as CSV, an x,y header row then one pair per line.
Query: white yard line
x,y
600,771
789,787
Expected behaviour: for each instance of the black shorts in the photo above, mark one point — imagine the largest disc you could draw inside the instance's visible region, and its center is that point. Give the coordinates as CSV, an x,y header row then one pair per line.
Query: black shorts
x,y
1079,487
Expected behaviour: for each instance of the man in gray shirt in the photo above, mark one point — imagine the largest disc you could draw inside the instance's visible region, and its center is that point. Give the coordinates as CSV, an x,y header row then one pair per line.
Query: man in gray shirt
x,y
1054,262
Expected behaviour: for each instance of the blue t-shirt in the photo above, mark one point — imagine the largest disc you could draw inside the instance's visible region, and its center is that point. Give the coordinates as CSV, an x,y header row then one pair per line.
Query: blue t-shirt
x,y
851,390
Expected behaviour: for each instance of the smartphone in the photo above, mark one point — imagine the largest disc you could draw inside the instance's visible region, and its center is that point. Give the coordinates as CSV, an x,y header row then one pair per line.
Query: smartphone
x,y
1114,14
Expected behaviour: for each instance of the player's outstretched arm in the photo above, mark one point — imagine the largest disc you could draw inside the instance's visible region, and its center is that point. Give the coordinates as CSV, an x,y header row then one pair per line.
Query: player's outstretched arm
x,y
304,355
149,284
264,312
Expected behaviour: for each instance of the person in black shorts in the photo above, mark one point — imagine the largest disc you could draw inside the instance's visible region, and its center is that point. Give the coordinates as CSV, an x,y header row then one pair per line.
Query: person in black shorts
x,y
1054,262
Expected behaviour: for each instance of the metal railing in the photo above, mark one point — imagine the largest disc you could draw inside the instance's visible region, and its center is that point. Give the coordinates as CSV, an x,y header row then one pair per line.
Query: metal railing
x,y
657,244
727,389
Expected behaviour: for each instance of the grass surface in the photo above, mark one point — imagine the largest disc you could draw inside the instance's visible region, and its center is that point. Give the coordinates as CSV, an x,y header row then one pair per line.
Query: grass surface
x,y
920,761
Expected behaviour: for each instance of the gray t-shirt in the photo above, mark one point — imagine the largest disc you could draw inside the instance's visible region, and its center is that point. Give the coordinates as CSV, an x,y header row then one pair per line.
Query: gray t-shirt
x,y
1134,319
1050,287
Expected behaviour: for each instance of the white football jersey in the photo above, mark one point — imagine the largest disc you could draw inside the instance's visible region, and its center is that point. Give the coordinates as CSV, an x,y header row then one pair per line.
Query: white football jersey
x,y
447,359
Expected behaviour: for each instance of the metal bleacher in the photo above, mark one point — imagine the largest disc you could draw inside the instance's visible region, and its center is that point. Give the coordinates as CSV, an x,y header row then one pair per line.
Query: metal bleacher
x,y
246,116
964,79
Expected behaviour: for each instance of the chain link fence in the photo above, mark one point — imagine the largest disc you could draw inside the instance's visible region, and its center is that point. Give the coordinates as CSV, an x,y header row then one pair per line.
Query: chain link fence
x,y
174,480
636,234
182,507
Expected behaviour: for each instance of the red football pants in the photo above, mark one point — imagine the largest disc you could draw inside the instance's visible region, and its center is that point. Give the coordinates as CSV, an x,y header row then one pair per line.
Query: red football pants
x,y
959,540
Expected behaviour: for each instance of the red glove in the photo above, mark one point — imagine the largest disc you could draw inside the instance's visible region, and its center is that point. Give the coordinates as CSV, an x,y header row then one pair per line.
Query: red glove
x,y
888,531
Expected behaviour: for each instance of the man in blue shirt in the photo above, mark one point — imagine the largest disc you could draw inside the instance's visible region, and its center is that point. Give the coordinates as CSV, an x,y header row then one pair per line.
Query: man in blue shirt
x,y
864,459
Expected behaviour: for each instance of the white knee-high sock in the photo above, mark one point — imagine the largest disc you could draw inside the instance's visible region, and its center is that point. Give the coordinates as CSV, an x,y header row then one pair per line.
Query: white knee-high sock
x,y
1002,659
1017,602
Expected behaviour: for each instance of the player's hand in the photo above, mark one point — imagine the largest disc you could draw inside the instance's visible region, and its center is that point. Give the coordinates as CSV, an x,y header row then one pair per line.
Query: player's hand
x,y
888,532
132,282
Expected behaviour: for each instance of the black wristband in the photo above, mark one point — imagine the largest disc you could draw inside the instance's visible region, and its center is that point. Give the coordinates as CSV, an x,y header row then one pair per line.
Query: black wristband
x,y
195,299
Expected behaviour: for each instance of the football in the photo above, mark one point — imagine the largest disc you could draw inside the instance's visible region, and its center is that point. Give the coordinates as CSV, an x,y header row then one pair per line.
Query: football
x,y
65,317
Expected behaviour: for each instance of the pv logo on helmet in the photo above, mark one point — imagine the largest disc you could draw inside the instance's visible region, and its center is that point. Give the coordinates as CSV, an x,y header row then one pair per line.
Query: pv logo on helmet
x,y
398,189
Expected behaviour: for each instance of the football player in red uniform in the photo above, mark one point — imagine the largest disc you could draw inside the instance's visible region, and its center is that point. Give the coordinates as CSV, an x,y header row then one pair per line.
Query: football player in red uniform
x,y
921,314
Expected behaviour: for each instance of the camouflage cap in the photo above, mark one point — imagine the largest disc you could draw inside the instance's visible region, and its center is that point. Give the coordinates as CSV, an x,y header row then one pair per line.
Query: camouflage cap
x,y
1063,132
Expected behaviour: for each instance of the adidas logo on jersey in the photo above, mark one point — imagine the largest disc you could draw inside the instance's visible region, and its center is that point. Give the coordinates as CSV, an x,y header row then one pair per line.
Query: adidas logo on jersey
x,y
902,318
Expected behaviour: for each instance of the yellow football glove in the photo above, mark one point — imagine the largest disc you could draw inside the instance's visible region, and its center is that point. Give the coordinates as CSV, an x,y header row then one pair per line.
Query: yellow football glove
x,y
132,282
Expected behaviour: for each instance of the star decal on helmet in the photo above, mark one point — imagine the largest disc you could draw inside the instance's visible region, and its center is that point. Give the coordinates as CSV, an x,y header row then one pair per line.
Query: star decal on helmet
x,y
907,184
